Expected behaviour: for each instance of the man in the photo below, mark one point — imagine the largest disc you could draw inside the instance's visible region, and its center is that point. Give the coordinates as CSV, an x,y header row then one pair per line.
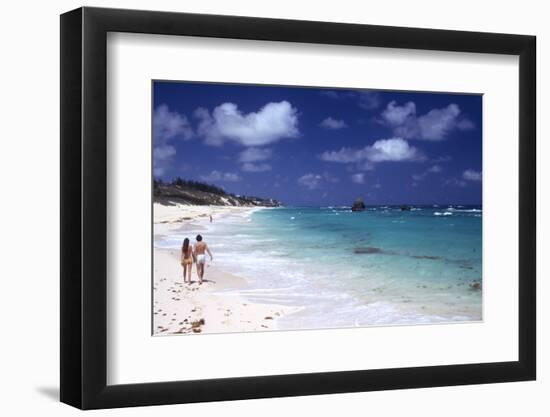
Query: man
x,y
200,252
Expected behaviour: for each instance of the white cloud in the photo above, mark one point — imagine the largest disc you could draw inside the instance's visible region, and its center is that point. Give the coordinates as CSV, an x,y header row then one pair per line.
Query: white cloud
x,y
217,176
345,155
465,124
164,152
396,115
255,154
471,175
358,178
383,150
252,167
250,158
395,149
162,158
331,123
169,125
437,123
434,125
311,181
271,123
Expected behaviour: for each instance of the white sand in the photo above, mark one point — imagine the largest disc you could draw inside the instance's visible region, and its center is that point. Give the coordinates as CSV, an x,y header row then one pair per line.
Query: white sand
x,y
168,218
180,308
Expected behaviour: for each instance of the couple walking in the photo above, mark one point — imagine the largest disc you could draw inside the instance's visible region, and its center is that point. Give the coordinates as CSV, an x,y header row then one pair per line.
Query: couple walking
x,y
194,253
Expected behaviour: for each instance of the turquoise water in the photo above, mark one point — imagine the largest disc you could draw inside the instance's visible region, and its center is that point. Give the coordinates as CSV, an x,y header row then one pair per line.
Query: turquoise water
x,y
381,266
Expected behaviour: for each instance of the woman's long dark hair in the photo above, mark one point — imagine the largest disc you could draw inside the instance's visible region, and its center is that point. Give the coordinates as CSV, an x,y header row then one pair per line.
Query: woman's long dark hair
x,y
185,246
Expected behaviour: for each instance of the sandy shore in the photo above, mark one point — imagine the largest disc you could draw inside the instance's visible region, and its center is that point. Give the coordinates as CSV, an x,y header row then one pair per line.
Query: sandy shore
x,y
180,308
169,218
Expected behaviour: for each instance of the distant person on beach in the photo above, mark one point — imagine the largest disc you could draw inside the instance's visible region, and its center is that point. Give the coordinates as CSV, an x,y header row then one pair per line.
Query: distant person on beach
x,y
187,260
200,253
210,218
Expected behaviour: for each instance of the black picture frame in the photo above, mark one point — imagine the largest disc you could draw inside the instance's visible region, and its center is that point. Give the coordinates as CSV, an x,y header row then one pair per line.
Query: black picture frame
x,y
84,207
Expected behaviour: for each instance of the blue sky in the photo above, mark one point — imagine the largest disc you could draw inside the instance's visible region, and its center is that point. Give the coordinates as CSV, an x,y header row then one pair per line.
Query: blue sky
x,y
320,147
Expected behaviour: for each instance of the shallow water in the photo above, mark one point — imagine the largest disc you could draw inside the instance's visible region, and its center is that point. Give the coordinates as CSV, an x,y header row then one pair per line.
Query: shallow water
x,y
381,266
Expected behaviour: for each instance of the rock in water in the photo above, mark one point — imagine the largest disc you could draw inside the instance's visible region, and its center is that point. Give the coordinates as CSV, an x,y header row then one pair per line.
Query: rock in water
x,y
476,285
358,205
367,250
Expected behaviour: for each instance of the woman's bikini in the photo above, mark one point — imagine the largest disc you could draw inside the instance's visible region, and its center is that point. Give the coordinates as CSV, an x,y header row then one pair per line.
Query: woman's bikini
x,y
187,258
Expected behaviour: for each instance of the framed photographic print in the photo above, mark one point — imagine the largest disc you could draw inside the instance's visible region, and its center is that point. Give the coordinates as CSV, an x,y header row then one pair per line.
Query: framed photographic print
x,y
258,207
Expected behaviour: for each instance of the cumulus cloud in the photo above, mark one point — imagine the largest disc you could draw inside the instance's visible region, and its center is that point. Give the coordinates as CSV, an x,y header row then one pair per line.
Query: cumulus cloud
x,y
437,123
471,175
311,181
250,158
273,122
395,149
335,124
358,178
217,176
164,152
314,181
433,126
383,150
161,157
167,126
396,115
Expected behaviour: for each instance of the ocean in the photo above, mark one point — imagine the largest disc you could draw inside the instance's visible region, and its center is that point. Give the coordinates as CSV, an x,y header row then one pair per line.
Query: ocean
x,y
381,266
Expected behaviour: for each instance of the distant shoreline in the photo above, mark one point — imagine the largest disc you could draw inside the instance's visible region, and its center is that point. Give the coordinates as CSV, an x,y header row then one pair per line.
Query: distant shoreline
x,y
189,192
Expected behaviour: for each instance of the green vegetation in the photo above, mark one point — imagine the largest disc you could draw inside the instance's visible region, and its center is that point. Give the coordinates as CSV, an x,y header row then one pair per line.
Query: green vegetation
x,y
196,192
192,185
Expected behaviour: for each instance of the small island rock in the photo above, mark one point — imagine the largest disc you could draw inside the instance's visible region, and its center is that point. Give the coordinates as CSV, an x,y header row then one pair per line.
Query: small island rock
x,y
358,205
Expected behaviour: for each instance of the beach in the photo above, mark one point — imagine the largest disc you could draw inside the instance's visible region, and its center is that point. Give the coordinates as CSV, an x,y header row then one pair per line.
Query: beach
x,y
296,268
213,307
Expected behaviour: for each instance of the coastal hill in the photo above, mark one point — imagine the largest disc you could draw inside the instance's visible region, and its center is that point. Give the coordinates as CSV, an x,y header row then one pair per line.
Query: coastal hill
x,y
181,191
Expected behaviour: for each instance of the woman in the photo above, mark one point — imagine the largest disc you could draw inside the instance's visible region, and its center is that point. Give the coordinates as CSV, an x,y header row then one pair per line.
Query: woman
x,y
187,260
